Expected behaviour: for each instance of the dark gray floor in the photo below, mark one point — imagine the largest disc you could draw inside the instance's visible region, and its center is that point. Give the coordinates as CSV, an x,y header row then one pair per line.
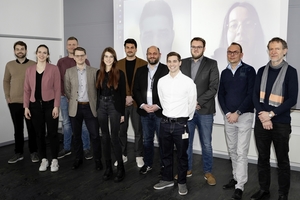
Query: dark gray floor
x,y
23,181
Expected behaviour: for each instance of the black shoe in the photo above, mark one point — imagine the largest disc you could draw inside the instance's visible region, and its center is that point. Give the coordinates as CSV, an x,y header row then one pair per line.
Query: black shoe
x,y
230,185
120,172
76,163
145,169
261,194
283,197
237,195
108,172
99,165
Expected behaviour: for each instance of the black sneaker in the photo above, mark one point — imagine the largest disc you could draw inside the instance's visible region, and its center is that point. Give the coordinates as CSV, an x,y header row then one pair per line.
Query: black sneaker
x,y
63,153
145,169
34,157
17,157
88,154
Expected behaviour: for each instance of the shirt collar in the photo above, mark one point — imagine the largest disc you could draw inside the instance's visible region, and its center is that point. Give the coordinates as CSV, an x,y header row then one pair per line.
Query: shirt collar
x,y
229,66
25,61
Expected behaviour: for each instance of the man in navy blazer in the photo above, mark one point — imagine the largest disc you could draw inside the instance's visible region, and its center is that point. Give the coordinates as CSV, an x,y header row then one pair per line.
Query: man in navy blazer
x,y
148,105
204,71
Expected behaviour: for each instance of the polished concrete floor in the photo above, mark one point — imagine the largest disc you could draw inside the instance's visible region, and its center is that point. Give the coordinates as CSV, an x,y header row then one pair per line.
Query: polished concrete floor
x,y
22,180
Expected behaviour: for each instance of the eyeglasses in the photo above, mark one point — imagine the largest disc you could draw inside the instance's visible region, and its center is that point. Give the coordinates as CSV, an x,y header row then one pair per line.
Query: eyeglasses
x,y
196,47
79,56
235,25
232,53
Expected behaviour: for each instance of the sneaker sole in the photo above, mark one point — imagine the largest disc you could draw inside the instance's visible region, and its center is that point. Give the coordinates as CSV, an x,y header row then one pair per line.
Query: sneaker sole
x,y
35,161
146,171
89,158
185,193
59,157
11,162
163,187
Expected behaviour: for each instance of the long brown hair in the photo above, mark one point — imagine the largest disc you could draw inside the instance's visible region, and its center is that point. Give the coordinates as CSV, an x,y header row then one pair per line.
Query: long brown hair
x,y
114,75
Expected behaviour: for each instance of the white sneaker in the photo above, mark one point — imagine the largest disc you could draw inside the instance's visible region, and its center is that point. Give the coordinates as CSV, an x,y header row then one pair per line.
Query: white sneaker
x,y
125,159
54,165
44,165
139,161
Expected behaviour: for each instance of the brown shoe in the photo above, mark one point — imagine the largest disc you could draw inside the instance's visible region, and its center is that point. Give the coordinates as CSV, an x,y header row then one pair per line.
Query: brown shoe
x,y
210,179
188,174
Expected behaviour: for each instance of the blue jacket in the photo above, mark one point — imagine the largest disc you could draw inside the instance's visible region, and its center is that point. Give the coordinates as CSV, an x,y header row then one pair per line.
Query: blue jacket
x,y
235,91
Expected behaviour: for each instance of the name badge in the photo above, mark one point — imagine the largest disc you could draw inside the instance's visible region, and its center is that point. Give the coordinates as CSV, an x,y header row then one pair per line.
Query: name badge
x,y
185,136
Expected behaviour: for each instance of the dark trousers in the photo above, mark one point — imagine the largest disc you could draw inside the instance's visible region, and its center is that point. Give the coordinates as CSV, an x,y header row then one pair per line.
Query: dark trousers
x,y
150,125
107,113
279,135
17,116
84,113
130,111
41,115
172,133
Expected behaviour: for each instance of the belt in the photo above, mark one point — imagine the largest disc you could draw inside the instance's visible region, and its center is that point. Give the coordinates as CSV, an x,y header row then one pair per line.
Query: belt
x,y
173,120
83,103
106,98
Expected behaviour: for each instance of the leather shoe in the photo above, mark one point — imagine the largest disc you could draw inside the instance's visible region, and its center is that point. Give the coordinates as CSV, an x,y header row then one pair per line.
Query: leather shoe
x,y
230,185
76,163
283,197
261,194
99,165
237,195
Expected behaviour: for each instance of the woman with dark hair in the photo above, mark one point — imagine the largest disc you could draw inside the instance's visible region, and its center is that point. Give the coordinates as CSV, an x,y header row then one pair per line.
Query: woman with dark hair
x,y
111,96
41,103
242,25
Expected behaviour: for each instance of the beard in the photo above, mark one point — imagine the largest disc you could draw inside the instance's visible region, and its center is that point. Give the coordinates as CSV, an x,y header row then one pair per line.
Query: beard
x,y
20,55
153,62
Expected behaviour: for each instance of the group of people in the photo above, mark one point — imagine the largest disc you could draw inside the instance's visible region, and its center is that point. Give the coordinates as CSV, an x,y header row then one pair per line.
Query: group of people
x,y
170,100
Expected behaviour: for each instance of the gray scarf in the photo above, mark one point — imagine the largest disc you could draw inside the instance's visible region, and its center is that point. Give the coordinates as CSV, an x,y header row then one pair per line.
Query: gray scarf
x,y
276,97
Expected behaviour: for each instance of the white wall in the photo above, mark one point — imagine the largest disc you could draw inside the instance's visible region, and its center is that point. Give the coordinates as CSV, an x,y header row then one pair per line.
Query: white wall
x,y
35,22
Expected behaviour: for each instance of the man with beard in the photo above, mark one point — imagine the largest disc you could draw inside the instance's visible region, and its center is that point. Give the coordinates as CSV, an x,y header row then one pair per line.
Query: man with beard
x,y
129,65
146,97
13,86
205,73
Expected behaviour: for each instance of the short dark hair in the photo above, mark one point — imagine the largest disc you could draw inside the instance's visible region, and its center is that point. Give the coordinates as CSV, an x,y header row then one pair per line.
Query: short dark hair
x,y
278,39
237,44
130,41
79,49
157,7
21,43
72,38
199,39
174,54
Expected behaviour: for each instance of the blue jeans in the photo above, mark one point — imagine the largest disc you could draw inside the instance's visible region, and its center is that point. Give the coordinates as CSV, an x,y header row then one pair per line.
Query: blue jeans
x,y
204,124
150,124
67,129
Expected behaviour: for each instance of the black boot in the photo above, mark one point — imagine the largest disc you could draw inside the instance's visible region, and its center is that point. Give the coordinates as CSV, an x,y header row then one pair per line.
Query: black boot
x,y
108,172
120,171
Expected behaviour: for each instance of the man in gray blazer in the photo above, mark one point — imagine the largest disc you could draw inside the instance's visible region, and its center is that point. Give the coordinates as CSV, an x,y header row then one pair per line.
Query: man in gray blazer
x,y
80,89
204,71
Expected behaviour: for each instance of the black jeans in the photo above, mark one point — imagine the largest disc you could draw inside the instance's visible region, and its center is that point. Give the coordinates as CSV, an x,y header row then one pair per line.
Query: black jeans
x,y
41,115
172,133
279,135
17,115
107,113
84,113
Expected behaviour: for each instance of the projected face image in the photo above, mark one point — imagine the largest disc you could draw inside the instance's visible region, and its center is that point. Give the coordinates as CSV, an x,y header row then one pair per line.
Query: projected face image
x,y
241,28
159,33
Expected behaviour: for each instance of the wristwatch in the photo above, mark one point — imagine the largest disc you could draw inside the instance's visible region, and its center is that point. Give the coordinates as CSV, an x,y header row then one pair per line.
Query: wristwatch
x,y
271,114
238,112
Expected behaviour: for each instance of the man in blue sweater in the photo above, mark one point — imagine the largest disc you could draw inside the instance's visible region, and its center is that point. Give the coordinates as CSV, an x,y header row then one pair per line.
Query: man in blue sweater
x,y
275,93
235,98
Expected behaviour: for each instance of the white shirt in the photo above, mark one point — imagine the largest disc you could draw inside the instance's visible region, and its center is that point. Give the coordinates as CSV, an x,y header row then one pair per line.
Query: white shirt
x,y
177,95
